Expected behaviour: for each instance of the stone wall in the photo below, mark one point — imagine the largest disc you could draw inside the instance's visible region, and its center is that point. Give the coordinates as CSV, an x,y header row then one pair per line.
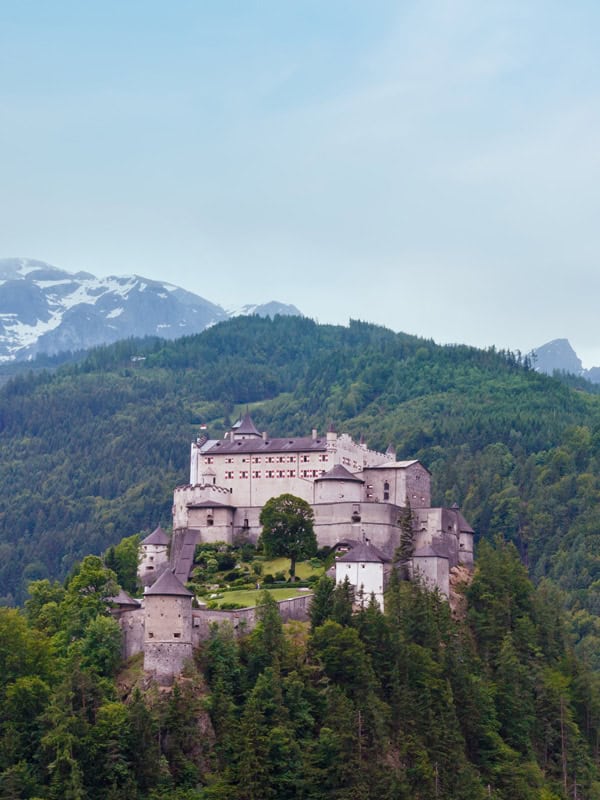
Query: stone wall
x,y
242,620
132,626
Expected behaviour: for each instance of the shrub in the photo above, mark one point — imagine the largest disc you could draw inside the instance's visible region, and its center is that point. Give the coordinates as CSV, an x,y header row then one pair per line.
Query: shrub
x,y
268,578
231,606
280,576
232,576
247,551
226,561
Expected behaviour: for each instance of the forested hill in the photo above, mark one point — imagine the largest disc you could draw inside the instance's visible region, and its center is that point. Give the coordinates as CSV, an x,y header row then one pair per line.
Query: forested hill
x,y
91,452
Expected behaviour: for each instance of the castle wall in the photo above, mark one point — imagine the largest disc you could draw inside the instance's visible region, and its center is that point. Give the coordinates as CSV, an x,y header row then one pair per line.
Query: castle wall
x,y
194,494
132,627
253,478
465,548
166,658
329,491
398,485
243,620
215,524
377,522
366,577
434,572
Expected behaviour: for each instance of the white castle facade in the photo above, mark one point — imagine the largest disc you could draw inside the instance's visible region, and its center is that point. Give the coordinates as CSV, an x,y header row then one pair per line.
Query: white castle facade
x,y
357,494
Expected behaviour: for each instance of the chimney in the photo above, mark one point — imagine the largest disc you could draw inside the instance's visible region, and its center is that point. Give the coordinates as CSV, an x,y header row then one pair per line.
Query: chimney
x,y
314,434
331,434
264,436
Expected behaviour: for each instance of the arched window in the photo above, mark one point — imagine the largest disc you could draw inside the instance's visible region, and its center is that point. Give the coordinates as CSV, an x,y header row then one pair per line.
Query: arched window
x,y
386,491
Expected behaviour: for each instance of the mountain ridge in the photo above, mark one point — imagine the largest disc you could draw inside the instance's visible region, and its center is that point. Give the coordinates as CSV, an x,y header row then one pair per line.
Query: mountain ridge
x,y
47,310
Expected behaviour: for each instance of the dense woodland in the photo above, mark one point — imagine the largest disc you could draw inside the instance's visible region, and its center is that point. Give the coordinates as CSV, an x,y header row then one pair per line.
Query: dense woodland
x,y
92,451
406,705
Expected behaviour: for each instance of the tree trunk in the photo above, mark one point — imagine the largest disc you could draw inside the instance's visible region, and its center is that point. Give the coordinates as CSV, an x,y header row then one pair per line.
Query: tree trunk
x,y
292,568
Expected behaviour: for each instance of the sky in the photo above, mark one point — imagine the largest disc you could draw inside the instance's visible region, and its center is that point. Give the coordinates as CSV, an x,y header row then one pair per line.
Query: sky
x,y
428,165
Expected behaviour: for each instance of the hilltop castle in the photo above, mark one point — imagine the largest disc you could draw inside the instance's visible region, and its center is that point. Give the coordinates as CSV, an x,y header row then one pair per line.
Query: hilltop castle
x,y
362,501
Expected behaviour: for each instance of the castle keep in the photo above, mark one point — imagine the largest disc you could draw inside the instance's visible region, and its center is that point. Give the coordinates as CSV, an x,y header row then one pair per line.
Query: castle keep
x,y
363,501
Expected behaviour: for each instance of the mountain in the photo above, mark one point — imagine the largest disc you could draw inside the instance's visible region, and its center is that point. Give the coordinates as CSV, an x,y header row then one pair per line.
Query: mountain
x,y
91,451
47,310
559,356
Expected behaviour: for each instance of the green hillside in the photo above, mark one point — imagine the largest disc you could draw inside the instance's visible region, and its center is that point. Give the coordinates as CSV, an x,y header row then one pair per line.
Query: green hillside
x,y
91,452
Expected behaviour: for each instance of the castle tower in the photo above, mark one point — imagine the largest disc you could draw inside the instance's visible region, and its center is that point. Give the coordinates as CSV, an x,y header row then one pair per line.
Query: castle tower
x,y
167,627
153,557
365,568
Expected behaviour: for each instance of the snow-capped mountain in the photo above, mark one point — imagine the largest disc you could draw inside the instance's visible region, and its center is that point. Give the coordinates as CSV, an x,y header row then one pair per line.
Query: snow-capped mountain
x,y
44,309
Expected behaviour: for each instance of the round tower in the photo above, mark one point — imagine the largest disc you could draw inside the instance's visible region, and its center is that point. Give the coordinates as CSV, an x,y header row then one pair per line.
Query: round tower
x,y
153,556
167,627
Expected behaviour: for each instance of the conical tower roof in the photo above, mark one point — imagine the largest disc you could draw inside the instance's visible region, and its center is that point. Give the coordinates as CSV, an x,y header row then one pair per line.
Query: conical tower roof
x,y
157,537
169,584
247,426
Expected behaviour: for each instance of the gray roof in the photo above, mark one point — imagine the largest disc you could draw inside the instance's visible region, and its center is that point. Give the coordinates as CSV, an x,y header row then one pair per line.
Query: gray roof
x,y
430,552
339,473
398,465
168,584
364,552
123,599
286,445
157,537
247,427
208,504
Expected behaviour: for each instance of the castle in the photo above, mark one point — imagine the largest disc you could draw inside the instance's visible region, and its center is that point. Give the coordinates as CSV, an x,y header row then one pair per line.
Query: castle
x,y
362,500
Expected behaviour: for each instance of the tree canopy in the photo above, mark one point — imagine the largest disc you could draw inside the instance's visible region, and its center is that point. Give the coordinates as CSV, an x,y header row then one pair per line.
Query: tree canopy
x,y
288,529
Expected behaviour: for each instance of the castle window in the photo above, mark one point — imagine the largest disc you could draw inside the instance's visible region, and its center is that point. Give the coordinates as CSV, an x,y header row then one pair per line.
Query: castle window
x,y
291,459
269,473
246,525
270,459
177,635
229,460
151,636
386,491
292,473
229,475
244,474
256,473
209,521
209,460
256,460
281,473
305,458
323,457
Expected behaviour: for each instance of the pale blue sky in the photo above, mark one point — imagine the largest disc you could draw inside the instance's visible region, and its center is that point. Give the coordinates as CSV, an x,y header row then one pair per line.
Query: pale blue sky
x,y
431,166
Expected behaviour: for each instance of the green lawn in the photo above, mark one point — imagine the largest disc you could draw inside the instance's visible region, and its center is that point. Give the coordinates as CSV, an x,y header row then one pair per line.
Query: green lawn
x,y
249,597
303,568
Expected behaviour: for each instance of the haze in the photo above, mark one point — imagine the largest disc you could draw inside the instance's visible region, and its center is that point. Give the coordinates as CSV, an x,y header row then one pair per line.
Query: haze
x,y
430,166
